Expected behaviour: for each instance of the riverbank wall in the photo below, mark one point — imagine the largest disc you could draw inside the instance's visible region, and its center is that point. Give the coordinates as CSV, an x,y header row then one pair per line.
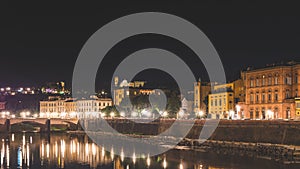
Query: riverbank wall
x,y
282,153
252,131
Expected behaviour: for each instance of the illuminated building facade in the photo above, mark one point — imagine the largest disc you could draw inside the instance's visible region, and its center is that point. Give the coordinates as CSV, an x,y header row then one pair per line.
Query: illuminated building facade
x,y
2,106
271,92
91,107
297,101
55,88
201,91
221,101
58,108
71,108
126,89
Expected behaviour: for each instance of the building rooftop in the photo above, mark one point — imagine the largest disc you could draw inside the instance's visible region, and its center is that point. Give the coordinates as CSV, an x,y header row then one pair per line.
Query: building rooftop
x,y
272,66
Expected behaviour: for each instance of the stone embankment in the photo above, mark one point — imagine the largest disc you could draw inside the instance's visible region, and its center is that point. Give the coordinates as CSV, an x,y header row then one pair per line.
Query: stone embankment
x,y
276,152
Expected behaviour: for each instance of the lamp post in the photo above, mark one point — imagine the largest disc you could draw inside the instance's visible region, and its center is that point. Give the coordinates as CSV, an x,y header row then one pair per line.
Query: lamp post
x,y
200,114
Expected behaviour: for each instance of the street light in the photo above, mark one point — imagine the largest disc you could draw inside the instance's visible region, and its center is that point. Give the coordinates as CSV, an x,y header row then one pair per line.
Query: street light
x,y
270,114
231,114
35,115
200,113
122,114
112,114
165,114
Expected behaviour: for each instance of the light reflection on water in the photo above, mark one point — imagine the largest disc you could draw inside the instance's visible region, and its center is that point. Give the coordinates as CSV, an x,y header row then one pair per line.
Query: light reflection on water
x,y
33,150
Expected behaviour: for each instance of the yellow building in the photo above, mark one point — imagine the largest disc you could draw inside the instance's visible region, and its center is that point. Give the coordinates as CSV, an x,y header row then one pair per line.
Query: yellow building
x,y
126,89
119,95
221,101
297,101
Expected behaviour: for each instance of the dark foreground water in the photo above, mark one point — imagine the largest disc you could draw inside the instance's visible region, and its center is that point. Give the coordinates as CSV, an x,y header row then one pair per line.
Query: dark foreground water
x,y
36,151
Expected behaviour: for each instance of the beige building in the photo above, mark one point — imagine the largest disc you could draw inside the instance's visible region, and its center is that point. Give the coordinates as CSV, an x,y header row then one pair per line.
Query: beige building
x,y
271,92
71,108
58,108
91,107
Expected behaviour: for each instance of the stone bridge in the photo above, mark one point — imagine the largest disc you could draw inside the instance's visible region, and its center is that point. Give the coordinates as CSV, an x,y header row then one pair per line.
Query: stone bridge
x,y
45,122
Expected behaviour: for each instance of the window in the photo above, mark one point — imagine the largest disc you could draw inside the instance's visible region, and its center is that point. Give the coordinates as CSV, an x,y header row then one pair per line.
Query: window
x,y
257,114
251,98
287,94
269,97
216,102
257,81
251,83
251,114
298,105
288,80
220,102
263,80
263,113
276,80
276,97
257,98
296,78
263,97
270,81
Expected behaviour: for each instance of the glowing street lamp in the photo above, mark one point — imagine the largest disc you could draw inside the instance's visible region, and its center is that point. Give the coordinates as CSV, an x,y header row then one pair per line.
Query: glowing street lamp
x,y
23,114
35,115
270,114
200,113
112,114
28,113
134,114
231,114
165,164
103,114
122,114
165,114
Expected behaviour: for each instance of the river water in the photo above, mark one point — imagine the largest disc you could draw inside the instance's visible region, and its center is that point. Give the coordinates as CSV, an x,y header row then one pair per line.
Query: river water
x,y
61,150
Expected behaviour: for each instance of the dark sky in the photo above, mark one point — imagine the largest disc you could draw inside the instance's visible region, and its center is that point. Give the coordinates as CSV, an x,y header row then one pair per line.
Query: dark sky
x,y
40,42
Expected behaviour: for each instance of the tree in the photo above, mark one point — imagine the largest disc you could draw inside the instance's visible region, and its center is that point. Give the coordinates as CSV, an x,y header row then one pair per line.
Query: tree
x,y
108,109
173,104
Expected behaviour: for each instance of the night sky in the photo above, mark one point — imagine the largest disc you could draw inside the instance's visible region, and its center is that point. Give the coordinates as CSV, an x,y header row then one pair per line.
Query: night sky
x,y
40,42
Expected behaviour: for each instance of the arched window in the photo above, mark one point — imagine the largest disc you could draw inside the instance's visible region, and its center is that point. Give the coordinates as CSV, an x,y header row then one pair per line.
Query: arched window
x,y
263,80
287,94
276,79
257,81
270,80
251,82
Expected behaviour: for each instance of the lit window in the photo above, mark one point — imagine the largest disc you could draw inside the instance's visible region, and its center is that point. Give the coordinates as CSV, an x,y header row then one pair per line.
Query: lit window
x,y
276,81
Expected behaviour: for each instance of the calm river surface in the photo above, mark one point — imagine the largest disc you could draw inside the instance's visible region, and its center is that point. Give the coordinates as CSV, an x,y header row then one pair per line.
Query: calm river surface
x,y
36,151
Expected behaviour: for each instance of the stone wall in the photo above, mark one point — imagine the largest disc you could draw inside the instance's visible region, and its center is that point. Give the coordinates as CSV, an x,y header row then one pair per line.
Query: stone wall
x,y
255,131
